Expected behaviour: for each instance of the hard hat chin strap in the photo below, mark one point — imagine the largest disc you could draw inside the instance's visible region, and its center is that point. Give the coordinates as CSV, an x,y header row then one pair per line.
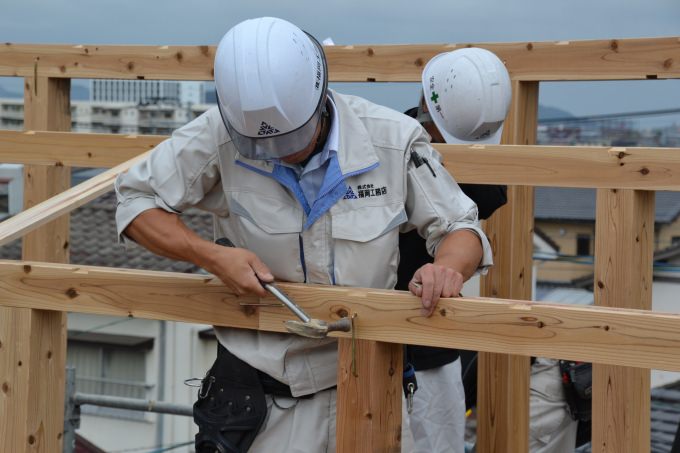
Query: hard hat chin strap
x,y
324,126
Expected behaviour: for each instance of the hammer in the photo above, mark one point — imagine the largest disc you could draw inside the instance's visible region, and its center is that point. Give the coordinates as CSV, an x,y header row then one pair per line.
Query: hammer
x,y
306,326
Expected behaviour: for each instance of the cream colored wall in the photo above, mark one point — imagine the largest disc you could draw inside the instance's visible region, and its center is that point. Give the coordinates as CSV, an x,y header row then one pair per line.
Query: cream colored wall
x,y
564,235
665,299
665,234
186,356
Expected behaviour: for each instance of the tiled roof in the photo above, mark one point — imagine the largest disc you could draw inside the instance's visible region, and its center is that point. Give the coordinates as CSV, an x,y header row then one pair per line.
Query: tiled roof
x,y
665,418
94,240
541,234
667,253
555,203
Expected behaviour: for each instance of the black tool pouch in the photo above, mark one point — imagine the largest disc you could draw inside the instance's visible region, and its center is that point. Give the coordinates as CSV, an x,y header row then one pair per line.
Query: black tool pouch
x,y
577,379
231,406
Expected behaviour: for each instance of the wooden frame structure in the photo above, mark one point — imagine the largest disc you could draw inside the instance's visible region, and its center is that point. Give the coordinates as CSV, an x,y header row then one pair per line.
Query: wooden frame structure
x,y
619,335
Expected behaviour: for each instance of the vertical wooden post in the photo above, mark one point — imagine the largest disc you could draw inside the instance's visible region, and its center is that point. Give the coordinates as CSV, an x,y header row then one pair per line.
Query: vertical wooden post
x,y
33,342
369,402
624,247
503,380
47,108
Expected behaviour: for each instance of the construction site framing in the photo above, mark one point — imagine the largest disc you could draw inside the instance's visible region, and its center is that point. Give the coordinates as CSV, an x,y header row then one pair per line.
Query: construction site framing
x,y
620,335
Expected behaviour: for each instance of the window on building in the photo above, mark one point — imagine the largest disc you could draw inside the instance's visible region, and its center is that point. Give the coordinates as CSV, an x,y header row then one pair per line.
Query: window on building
x,y
11,189
675,240
112,370
4,199
583,244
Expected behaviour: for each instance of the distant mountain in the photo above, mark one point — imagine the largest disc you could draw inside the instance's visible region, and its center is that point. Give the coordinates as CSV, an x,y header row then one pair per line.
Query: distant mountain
x,y
546,113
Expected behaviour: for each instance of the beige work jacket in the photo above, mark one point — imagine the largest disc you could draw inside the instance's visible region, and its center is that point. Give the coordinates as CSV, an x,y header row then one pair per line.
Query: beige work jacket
x,y
354,242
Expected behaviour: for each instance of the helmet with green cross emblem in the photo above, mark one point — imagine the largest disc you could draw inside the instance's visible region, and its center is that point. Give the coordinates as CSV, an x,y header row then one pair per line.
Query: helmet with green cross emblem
x,y
467,93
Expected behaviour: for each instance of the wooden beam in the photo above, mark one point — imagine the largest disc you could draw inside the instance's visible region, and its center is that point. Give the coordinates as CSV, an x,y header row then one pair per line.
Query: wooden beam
x,y
63,203
564,166
499,401
32,362
503,380
13,377
73,149
35,342
624,247
369,396
531,165
596,334
617,59
46,107
108,62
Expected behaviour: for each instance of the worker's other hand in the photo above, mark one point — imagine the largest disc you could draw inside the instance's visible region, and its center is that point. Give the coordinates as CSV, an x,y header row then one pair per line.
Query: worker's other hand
x,y
239,269
433,281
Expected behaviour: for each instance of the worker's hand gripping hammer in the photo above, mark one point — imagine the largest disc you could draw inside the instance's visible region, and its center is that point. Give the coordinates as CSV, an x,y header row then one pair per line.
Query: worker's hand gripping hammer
x,y
306,326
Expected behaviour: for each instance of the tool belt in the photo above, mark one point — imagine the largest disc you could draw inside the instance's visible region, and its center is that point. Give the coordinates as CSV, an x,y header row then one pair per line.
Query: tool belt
x,y
577,380
231,406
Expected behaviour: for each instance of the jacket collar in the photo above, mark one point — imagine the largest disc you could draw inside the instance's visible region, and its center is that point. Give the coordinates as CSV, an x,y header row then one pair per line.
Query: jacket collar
x,y
355,149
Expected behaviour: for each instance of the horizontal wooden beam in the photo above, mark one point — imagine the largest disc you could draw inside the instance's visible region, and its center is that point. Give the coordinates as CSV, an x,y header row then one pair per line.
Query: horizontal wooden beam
x,y
615,59
108,61
552,166
596,334
622,59
565,166
73,149
68,200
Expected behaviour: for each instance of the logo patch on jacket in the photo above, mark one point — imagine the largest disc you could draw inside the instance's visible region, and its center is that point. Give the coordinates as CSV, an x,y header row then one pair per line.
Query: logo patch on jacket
x,y
349,195
365,191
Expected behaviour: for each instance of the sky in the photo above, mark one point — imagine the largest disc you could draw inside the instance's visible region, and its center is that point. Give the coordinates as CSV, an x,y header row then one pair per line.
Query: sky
x,y
167,22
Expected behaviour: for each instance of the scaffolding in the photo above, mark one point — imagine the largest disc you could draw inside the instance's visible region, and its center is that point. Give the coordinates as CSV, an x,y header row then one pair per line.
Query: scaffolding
x,y
620,335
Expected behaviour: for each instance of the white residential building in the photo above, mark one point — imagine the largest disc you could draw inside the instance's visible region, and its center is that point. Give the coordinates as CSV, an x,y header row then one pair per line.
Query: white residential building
x,y
12,114
137,358
158,118
135,91
191,93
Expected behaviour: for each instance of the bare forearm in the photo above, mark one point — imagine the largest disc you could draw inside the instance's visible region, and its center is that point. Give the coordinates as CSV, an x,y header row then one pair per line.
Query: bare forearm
x,y
165,234
461,251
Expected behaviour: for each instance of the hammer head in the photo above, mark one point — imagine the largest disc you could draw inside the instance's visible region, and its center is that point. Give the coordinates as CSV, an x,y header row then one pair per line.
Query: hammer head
x,y
317,328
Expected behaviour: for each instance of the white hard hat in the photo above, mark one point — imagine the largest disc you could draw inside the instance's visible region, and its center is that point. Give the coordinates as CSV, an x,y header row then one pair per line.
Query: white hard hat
x,y
271,80
468,93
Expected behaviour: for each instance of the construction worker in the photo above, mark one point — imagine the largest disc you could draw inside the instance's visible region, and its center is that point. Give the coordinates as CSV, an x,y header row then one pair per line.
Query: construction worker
x,y
466,97
311,186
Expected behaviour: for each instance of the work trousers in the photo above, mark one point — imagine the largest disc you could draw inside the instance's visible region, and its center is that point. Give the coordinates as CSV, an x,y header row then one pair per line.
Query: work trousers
x,y
551,428
436,424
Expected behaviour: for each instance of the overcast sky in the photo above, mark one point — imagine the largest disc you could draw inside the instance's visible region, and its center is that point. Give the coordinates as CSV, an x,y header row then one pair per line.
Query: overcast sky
x,y
372,22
